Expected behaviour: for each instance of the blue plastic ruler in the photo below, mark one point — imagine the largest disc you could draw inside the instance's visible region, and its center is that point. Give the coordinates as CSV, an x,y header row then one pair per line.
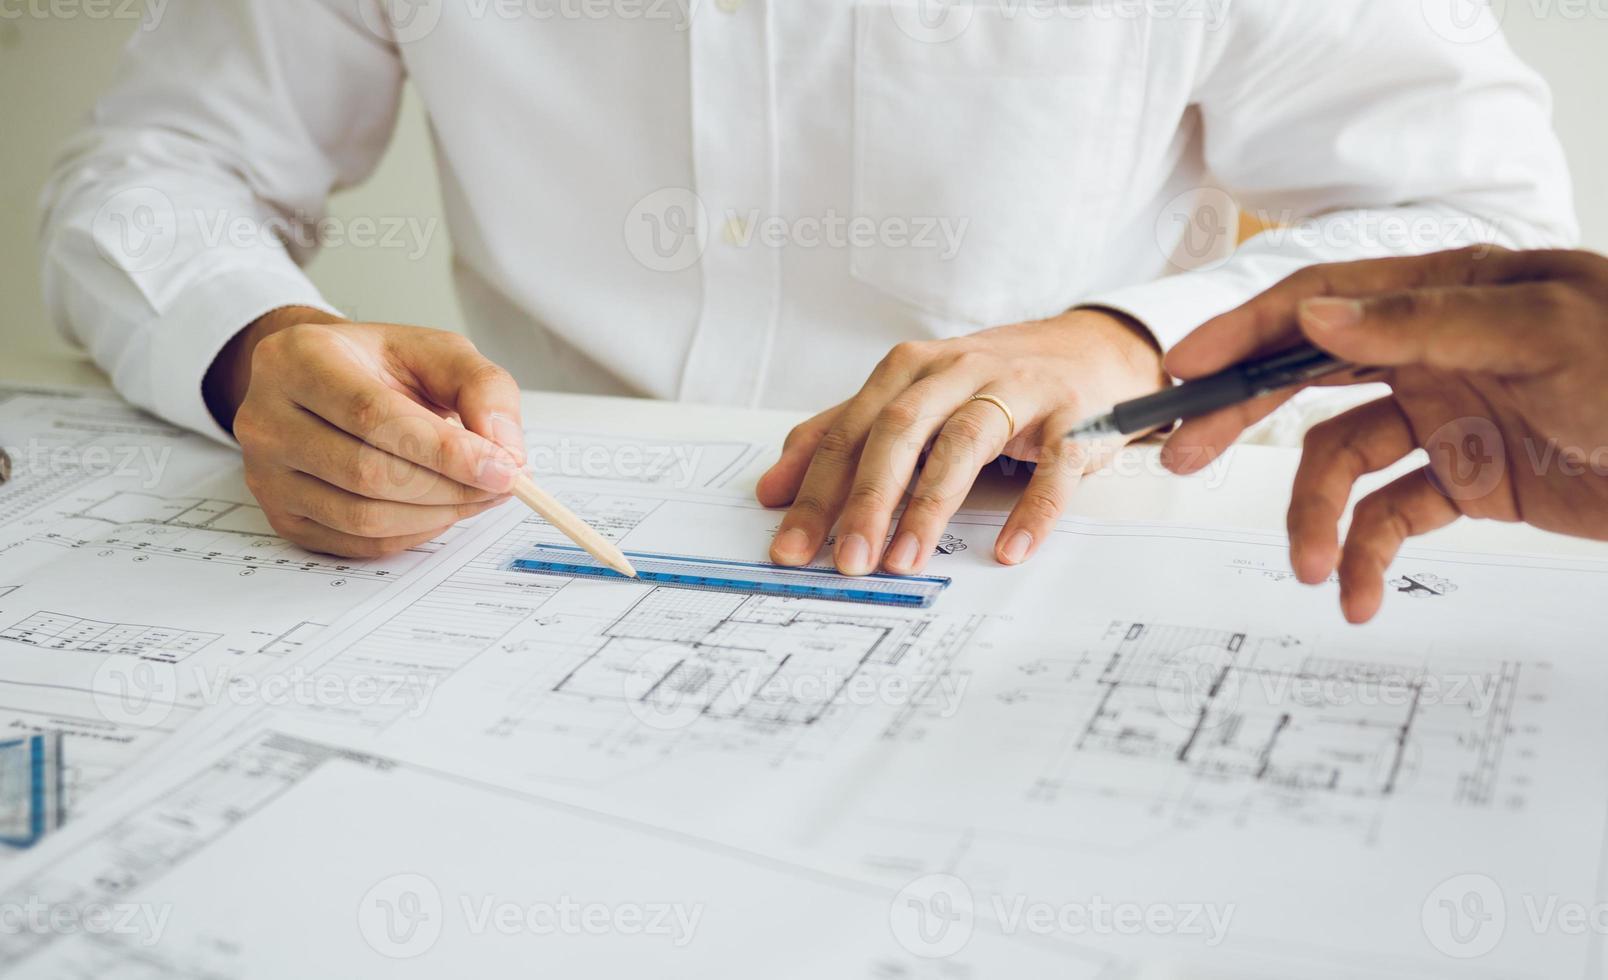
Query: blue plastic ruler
x,y
752,578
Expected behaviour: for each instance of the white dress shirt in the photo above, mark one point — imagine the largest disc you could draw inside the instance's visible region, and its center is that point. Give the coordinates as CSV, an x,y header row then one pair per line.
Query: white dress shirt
x,y
749,202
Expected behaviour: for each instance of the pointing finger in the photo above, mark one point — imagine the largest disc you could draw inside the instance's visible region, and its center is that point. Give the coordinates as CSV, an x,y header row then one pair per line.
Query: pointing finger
x,y
1337,453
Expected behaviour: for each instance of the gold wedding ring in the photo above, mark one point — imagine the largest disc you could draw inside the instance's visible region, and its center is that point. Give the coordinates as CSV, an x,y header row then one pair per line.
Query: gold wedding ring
x,y
1010,416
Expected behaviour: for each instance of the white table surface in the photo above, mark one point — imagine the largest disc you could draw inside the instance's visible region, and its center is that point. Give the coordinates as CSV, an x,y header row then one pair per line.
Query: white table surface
x,y
1249,488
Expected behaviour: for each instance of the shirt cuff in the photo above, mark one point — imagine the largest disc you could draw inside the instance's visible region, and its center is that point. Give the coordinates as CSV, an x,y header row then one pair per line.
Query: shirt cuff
x,y
1171,308
195,329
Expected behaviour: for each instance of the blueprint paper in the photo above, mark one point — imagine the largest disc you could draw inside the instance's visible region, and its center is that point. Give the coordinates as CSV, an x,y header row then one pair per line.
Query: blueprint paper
x,y
125,612
206,873
140,584
1152,724
1158,717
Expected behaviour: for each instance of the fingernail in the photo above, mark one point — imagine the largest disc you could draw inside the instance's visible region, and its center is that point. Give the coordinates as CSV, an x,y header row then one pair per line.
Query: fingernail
x,y
506,433
902,556
1016,548
1333,314
793,546
497,471
854,555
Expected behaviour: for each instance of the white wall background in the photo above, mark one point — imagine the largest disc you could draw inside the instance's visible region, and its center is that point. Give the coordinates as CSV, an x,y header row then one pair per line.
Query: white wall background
x,y
51,68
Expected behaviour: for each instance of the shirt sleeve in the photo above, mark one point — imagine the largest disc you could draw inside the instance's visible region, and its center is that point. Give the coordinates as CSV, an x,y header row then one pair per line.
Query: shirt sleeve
x,y
1360,129
183,210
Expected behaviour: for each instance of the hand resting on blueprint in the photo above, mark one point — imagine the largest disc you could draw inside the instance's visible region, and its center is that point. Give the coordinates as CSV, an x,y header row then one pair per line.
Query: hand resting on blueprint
x,y
1498,363
363,439
916,419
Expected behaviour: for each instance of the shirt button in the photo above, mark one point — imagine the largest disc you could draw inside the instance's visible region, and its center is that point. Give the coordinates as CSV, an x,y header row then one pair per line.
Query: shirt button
x,y
736,231
729,6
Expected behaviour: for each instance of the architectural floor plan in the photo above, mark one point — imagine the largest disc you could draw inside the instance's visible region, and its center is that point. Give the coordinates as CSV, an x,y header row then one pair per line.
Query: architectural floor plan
x,y
1219,728
1156,716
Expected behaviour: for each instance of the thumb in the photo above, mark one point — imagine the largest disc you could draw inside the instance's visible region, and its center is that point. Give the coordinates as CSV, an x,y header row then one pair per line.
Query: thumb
x,y
456,375
1487,329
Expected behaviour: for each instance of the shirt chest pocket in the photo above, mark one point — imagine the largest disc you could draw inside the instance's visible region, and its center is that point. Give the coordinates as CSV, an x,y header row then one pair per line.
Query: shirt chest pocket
x,y
992,143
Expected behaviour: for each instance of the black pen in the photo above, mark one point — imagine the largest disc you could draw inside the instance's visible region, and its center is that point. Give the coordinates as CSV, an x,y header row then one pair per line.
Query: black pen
x,y
1192,399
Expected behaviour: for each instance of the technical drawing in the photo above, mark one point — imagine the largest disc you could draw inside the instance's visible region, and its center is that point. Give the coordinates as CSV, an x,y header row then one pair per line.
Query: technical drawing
x,y
22,496
217,531
1235,722
74,439
294,639
756,658
57,631
1272,573
1269,724
1423,585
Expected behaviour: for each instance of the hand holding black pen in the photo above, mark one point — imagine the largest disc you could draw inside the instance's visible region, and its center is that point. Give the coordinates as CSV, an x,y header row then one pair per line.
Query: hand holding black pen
x,y
1231,386
1498,365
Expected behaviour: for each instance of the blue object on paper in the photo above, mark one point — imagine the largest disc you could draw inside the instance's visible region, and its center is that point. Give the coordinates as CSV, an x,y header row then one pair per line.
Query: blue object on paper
x,y
31,789
755,578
